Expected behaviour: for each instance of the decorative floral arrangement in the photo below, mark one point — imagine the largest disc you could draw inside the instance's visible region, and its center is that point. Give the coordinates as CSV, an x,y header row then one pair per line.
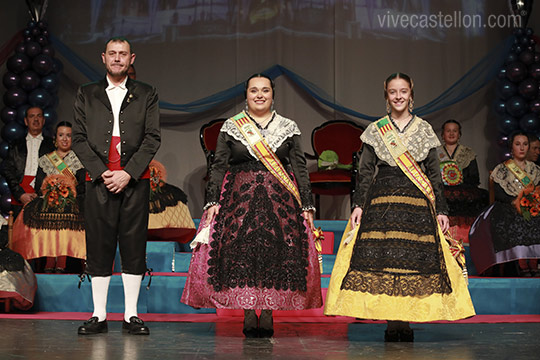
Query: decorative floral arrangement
x,y
527,202
58,193
158,177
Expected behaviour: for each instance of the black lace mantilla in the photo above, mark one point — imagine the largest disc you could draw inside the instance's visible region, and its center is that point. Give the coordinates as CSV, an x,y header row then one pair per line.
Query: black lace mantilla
x,y
169,195
509,229
72,218
259,239
397,251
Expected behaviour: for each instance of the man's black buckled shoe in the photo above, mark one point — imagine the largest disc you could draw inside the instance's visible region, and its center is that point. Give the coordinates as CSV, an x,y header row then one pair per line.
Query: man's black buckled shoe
x,y
135,326
93,326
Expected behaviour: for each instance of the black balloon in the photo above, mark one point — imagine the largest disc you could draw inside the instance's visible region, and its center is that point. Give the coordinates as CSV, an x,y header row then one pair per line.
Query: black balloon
x,y
507,124
530,123
42,64
526,57
502,140
528,88
537,57
20,48
50,116
30,80
36,32
42,40
500,106
21,113
516,71
502,73
28,38
10,79
13,131
516,106
534,71
18,63
40,97
5,203
48,50
15,97
4,188
534,106
506,89
50,83
42,24
510,58
4,148
33,49
8,114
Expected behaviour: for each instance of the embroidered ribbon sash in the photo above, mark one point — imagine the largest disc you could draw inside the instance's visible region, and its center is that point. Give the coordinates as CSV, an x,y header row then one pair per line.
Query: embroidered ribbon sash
x,y
60,165
265,154
517,172
403,158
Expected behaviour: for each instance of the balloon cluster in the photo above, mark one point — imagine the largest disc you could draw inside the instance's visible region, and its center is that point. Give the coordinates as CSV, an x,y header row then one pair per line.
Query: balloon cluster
x,y
31,79
518,89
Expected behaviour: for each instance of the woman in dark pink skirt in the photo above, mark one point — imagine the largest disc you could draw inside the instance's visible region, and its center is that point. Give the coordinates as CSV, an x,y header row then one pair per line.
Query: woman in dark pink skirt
x,y
255,248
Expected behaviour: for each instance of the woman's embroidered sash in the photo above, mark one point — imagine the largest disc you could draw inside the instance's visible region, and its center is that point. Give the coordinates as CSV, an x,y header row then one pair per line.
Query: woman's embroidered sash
x,y
265,154
403,158
517,172
60,165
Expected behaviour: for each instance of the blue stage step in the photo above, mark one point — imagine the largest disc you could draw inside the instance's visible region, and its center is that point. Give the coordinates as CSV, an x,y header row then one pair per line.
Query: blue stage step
x,y
60,293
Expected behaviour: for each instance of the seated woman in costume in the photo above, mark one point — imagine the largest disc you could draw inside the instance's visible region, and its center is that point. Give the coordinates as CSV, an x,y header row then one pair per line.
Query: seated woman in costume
x,y
169,217
395,263
18,283
260,251
52,225
508,230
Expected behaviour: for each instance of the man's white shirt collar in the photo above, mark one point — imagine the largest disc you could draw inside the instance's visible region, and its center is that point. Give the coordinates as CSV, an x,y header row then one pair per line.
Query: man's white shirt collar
x,y
30,137
122,85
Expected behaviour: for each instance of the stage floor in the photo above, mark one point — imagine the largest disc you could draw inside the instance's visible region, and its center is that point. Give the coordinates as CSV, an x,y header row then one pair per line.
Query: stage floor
x,y
58,339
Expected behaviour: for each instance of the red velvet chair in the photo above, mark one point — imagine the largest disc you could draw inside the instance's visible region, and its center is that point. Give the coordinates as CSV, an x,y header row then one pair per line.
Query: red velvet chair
x,y
343,137
208,135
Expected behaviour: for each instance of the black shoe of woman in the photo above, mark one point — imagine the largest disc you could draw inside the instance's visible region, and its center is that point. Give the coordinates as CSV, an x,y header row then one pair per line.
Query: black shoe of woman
x,y
406,335
391,336
266,324
250,329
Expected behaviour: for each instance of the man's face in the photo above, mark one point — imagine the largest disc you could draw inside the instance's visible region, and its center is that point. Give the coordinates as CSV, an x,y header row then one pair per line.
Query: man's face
x,y
534,151
34,120
117,58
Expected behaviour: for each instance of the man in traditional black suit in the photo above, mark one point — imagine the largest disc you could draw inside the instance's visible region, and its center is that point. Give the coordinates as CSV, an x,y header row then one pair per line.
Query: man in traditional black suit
x,y
21,164
115,135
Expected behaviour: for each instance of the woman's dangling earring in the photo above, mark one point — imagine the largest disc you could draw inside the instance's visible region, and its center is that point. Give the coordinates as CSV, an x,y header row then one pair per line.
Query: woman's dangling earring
x,y
272,106
246,106
411,105
388,107
55,144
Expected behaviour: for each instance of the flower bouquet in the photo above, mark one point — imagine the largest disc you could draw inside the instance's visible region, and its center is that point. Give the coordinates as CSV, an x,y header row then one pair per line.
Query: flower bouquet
x,y
527,202
158,177
59,193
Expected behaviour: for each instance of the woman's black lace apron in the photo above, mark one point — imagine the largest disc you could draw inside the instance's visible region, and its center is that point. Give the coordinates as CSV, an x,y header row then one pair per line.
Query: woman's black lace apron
x,y
398,250
259,239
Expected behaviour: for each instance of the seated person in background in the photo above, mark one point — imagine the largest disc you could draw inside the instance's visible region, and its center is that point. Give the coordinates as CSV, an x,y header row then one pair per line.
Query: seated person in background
x,y
169,217
459,172
534,149
21,164
17,280
509,229
52,225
